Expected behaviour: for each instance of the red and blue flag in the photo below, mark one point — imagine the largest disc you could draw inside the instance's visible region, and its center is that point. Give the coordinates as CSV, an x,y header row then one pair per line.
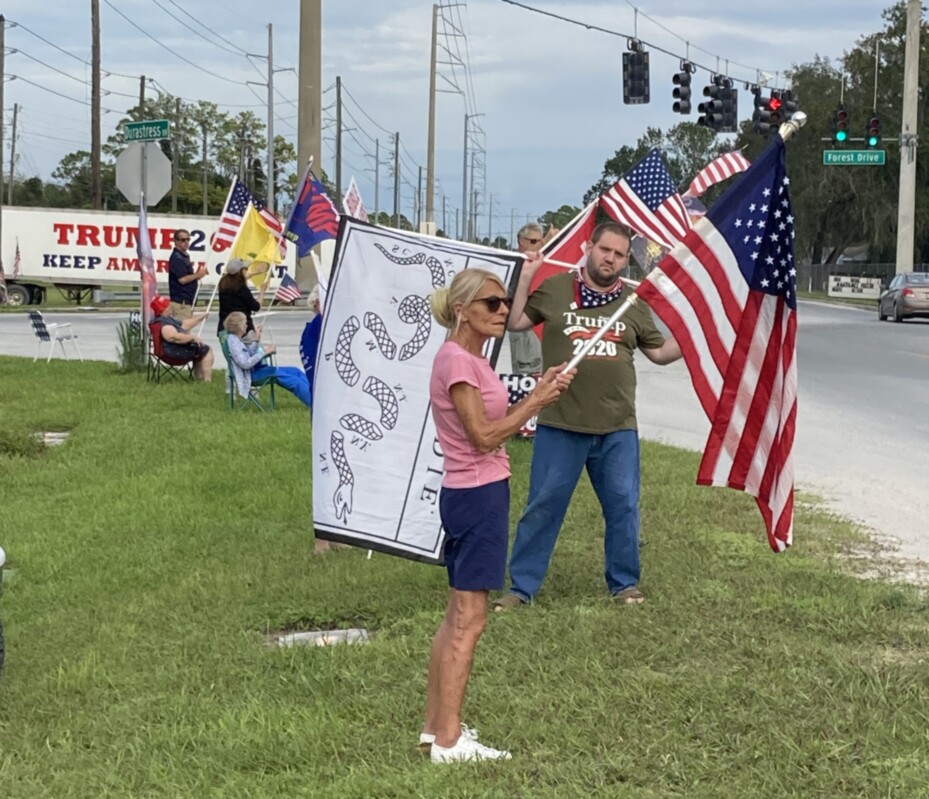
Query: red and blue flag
x,y
314,217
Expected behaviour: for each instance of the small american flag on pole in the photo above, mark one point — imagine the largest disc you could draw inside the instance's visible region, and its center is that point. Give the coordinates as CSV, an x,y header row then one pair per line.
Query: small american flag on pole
x,y
717,171
237,203
16,260
646,200
288,291
727,292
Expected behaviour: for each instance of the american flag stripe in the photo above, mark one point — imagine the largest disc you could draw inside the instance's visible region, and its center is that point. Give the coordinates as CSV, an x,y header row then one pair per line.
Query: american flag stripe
x,y
717,171
729,300
668,225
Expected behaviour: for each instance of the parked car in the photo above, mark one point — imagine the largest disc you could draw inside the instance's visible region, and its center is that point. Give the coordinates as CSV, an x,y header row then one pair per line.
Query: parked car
x,y
906,296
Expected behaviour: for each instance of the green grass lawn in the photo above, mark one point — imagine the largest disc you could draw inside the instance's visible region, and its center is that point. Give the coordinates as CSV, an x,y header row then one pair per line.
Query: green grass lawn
x,y
152,554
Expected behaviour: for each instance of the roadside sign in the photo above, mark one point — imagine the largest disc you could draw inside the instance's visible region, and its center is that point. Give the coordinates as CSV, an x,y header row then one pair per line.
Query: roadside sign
x,y
143,167
854,157
152,130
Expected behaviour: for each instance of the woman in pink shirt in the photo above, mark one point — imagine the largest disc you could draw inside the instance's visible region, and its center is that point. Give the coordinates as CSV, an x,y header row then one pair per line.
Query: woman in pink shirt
x,y
469,405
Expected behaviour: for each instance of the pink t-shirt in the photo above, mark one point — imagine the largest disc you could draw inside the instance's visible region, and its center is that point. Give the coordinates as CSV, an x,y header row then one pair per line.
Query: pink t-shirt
x,y
465,467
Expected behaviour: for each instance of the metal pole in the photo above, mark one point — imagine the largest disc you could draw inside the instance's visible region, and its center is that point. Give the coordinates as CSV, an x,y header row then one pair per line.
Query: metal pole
x,y
906,204
338,142
444,217
513,228
490,220
175,157
377,180
397,179
205,203
9,200
472,213
430,157
270,177
96,189
419,202
457,226
464,184
141,98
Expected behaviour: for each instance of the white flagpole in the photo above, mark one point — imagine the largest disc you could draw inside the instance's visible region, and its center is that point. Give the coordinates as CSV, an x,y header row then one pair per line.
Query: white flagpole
x,y
211,254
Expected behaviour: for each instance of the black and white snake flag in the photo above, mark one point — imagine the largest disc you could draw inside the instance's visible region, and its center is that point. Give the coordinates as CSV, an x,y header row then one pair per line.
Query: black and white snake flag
x,y
377,466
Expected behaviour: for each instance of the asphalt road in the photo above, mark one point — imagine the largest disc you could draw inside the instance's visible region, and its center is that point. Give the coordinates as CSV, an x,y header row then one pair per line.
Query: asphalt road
x,y
862,440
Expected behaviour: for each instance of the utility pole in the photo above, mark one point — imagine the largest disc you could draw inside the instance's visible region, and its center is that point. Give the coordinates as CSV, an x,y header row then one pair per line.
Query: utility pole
x,y
203,155
270,177
906,204
9,200
397,180
512,228
444,217
490,220
457,226
419,202
175,147
310,91
377,179
430,157
472,213
464,186
141,98
338,142
96,189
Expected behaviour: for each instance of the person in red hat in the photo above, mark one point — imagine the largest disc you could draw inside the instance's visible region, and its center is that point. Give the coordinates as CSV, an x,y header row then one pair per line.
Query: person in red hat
x,y
179,342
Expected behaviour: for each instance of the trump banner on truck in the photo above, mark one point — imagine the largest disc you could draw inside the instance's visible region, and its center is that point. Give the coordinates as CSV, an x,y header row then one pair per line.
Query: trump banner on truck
x,y
377,464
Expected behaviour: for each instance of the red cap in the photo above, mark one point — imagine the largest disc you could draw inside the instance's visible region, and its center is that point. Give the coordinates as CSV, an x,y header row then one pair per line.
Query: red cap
x,y
160,304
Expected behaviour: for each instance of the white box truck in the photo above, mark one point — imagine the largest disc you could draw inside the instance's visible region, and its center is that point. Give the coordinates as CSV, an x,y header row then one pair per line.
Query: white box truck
x,y
82,252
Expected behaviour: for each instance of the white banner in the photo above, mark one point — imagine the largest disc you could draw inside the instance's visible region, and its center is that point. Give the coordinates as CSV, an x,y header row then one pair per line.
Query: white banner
x,y
377,466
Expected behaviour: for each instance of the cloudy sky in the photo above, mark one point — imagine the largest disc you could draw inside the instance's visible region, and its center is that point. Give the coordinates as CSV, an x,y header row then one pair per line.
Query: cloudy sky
x,y
550,91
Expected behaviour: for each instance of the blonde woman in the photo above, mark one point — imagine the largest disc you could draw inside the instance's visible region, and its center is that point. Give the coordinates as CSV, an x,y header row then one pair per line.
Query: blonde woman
x,y
469,405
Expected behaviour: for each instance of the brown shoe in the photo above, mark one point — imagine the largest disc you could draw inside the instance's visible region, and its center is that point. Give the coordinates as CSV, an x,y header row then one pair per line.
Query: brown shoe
x,y
508,602
629,596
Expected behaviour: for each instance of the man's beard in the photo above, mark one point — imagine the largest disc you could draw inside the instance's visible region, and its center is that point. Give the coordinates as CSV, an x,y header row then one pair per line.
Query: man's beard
x,y
600,280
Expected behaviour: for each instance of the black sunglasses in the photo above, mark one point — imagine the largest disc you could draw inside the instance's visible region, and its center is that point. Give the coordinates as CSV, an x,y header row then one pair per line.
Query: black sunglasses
x,y
493,303
182,240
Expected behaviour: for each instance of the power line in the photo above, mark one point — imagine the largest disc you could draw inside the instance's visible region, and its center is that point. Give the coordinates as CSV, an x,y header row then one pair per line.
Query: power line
x,y
173,52
238,50
59,94
630,37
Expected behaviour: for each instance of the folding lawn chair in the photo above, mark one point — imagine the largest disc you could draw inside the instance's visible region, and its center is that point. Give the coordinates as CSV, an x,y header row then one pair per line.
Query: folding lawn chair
x,y
162,365
258,385
52,334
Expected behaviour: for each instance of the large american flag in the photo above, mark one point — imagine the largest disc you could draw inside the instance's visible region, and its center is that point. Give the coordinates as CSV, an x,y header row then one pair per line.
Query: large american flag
x,y
237,202
717,171
728,294
646,200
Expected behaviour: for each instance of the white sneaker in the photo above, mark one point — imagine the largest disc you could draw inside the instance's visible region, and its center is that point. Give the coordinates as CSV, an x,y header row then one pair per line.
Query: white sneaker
x,y
428,738
466,749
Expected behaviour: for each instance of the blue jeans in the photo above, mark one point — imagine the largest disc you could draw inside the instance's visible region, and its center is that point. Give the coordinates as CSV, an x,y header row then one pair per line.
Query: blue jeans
x,y
288,377
612,462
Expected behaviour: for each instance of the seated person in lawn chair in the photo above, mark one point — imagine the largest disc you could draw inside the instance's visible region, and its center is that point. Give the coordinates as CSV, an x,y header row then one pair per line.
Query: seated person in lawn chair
x,y
178,342
246,362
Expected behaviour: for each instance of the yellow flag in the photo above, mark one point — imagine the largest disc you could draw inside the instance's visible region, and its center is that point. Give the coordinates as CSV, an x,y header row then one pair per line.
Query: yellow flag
x,y
256,241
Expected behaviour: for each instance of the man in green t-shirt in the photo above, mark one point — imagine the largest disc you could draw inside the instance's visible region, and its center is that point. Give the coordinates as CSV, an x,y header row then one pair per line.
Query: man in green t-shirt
x,y
594,423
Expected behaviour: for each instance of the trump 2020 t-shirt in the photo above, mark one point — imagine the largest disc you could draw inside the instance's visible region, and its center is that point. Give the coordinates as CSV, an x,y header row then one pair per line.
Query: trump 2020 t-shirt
x,y
465,466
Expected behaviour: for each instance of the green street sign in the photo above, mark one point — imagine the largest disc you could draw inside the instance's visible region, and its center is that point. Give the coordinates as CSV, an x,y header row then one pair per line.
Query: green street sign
x,y
854,157
153,130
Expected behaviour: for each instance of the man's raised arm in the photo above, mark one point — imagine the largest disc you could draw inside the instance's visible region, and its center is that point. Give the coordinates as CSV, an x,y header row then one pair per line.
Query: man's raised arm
x,y
518,319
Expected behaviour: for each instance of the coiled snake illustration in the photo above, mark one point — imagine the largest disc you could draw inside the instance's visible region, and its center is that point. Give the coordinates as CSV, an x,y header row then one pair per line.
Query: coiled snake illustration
x,y
342,499
385,343
344,364
432,263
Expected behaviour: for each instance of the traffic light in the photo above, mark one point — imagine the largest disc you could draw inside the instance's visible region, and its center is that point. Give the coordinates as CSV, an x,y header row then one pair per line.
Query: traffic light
x,y
791,105
730,99
682,90
768,113
840,125
711,112
635,74
872,136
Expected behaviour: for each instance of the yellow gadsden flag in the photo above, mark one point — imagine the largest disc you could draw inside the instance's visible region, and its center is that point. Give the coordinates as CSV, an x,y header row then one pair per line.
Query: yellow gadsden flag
x,y
256,241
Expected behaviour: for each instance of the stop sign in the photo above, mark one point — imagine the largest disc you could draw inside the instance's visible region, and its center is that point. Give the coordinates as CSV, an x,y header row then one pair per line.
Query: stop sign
x,y
129,180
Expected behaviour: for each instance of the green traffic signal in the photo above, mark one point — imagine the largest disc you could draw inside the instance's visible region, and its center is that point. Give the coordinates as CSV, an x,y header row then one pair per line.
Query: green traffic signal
x,y
841,135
